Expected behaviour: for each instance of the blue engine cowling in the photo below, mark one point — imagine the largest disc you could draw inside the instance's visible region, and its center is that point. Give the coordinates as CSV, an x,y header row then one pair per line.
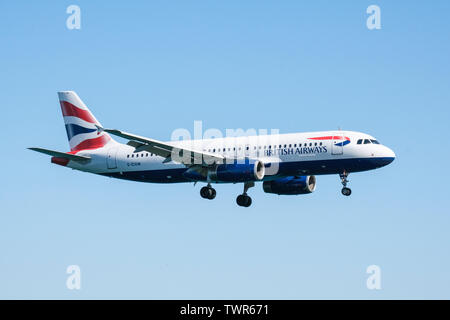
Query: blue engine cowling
x,y
239,172
232,172
291,185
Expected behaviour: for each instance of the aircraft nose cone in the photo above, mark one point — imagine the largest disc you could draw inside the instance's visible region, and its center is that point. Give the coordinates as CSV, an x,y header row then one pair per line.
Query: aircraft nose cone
x,y
391,154
388,156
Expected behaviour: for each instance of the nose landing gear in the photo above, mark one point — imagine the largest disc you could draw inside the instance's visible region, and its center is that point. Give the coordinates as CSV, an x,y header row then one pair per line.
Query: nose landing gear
x,y
208,192
345,191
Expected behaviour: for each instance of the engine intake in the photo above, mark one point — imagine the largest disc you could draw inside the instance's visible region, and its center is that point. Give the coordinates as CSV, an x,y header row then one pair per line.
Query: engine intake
x,y
291,185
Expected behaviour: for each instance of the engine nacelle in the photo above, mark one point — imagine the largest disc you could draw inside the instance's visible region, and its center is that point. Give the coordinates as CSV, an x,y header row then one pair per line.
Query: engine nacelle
x,y
239,172
291,185
234,172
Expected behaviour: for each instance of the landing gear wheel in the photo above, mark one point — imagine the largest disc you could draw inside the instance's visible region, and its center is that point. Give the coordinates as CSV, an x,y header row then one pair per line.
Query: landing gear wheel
x,y
346,191
213,194
204,192
208,193
248,202
244,200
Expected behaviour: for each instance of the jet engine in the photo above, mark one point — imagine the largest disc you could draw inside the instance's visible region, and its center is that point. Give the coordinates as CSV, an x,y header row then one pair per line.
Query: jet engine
x,y
239,172
234,172
291,185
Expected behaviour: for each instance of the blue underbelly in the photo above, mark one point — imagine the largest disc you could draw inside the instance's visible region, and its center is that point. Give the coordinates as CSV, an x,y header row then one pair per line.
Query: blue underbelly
x,y
313,167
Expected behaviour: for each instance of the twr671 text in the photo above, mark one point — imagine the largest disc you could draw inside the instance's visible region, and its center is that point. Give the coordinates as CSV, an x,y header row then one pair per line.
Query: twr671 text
x,y
236,309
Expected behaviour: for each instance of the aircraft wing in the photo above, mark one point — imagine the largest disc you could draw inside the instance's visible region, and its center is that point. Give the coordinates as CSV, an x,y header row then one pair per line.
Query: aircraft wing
x,y
58,154
186,156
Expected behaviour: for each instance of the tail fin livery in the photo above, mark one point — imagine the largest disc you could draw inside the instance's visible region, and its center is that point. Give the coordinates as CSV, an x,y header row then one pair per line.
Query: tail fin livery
x,y
81,125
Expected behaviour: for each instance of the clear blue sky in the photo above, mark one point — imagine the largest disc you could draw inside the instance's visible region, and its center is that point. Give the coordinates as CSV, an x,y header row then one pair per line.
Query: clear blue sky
x,y
153,66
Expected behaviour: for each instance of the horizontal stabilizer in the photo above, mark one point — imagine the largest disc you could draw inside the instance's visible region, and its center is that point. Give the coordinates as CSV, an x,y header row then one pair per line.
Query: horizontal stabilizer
x,y
58,154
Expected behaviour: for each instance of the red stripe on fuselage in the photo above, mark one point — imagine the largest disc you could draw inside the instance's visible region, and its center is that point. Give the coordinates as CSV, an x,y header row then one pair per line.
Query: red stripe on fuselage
x,y
330,138
69,110
92,143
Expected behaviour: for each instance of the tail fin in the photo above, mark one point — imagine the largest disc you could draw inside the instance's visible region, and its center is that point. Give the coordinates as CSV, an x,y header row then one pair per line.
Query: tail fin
x,y
80,123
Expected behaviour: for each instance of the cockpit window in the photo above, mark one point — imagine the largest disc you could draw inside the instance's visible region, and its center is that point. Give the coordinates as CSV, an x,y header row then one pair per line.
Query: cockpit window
x,y
366,141
374,141
359,141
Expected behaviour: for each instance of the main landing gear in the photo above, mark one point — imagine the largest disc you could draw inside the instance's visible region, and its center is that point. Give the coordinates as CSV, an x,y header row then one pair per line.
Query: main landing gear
x,y
243,199
345,191
208,192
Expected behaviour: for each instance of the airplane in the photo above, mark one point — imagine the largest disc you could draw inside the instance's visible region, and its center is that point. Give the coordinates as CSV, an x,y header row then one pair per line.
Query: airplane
x,y
286,164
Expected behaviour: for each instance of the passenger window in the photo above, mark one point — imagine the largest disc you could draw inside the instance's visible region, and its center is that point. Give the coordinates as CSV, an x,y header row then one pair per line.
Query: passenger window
x,y
366,141
128,155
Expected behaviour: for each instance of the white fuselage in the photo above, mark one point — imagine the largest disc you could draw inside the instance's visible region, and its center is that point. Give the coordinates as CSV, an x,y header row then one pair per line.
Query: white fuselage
x,y
326,152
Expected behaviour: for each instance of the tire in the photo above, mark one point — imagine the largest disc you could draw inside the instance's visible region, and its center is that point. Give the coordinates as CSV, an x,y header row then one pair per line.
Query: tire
x,y
248,201
243,200
240,200
204,192
212,193
346,191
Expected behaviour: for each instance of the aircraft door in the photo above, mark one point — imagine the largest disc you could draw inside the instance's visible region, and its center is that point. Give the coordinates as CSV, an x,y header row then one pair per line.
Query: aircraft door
x,y
337,147
111,159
